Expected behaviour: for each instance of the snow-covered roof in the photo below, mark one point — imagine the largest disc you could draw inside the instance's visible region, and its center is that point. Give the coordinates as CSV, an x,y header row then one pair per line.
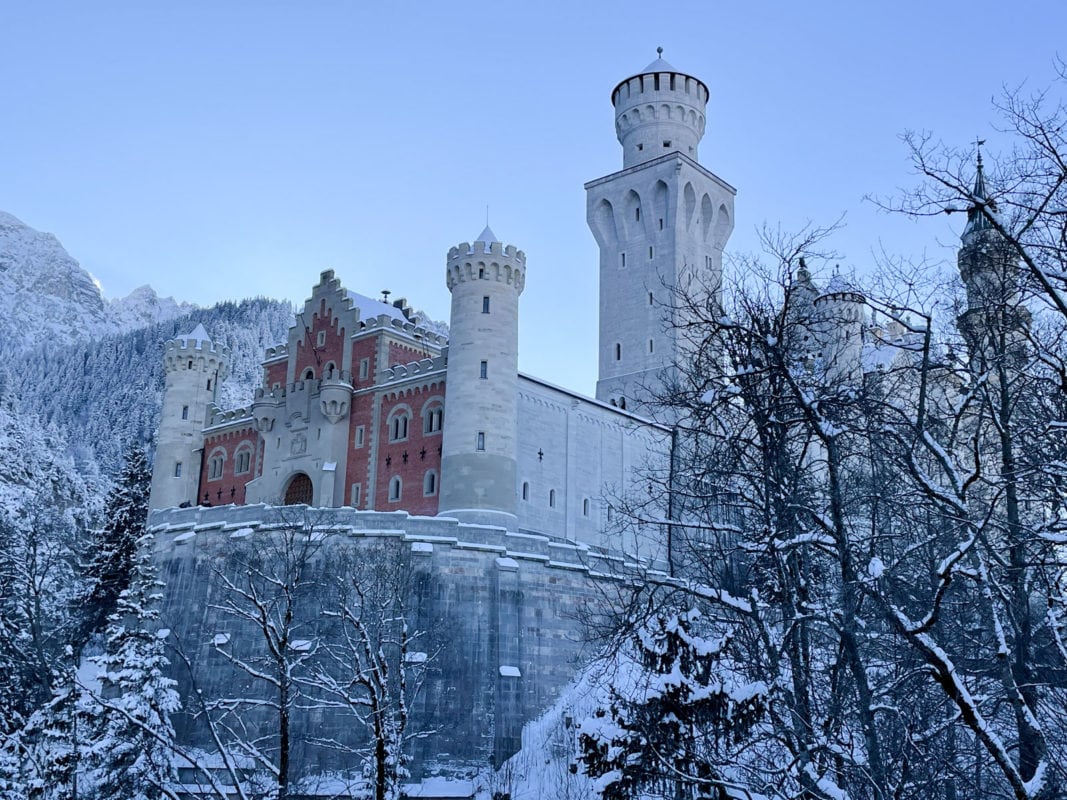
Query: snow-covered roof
x,y
199,334
487,235
659,65
369,308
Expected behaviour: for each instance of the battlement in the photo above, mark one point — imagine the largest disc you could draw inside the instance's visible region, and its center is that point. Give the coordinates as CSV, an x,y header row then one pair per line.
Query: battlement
x,y
199,354
412,369
232,416
404,326
658,86
494,261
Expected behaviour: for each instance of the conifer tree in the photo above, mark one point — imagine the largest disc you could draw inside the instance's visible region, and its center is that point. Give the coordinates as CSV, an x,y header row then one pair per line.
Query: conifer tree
x,y
114,546
130,748
666,732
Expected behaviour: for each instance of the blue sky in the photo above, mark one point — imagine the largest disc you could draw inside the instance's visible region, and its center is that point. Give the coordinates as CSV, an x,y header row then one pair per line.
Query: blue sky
x,y
222,150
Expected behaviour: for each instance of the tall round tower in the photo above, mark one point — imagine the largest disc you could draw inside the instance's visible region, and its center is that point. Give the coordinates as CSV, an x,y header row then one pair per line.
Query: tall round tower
x,y
659,111
193,366
478,447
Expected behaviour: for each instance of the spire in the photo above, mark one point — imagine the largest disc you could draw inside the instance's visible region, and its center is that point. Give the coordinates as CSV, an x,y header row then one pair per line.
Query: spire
x,y
487,236
976,220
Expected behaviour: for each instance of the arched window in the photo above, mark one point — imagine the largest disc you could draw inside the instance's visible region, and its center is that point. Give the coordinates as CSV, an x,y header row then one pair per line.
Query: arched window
x,y
330,370
299,491
398,426
185,412
551,498
433,417
396,487
525,490
309,374
429,483
242,461
216,463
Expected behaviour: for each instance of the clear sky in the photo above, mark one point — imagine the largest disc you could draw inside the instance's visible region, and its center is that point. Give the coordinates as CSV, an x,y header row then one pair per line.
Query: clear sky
x,y
219,150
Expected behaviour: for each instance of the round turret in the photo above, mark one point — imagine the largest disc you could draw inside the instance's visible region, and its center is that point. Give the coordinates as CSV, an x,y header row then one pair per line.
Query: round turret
x,y
658,111
193,366
479,441
839,314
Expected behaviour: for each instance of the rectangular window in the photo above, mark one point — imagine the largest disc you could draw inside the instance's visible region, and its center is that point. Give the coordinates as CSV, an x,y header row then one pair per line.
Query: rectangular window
x,y
209,384
483,370
320,340
360,431
481,440
357,490
185,412
364,368
485,305
650,254
178,470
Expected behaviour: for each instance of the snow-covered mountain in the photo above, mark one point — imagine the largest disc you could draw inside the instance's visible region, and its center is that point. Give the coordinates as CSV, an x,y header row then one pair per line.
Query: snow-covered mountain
x,y
48,296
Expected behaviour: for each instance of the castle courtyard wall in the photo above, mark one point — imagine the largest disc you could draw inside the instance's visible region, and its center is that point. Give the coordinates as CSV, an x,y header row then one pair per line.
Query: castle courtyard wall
x,y
504,608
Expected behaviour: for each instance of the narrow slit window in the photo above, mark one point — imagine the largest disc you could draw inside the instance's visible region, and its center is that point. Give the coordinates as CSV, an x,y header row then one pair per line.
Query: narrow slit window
x,y
526,490
651,346
650,298
483,370
480,445
618,352
661,223
185,412
551,498
178,470
622,259
650,253
485,305
637,213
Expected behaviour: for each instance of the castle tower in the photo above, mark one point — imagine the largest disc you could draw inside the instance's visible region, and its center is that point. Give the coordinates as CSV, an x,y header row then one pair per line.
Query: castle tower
x,y
661,224
479,441
839,319
193,366
995,321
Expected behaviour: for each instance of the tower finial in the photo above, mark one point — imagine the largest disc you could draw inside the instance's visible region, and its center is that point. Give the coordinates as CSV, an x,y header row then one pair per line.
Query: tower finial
x,y
978,146
659,52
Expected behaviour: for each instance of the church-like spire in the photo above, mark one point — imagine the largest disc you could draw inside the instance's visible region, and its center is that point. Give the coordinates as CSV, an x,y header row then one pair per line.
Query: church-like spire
x,y
977,221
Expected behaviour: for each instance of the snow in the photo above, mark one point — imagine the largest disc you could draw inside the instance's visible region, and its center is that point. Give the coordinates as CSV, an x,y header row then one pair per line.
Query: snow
x,y
440,787
241,533
416,657
876,568
221,639
421,547
329,466
508,671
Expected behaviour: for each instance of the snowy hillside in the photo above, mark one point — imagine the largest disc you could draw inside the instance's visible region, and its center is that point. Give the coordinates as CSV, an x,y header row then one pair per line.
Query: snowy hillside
x,y
48,296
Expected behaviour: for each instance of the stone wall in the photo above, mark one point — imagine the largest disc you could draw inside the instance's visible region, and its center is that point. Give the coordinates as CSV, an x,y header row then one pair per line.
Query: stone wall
x,y
502,611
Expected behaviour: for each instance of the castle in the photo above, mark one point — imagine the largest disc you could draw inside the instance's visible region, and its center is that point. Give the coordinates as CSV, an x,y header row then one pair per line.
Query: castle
x,y
368,406
500,483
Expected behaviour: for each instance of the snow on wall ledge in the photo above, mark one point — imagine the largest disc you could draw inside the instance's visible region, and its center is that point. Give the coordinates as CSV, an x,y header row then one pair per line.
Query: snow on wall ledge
x,y
505,605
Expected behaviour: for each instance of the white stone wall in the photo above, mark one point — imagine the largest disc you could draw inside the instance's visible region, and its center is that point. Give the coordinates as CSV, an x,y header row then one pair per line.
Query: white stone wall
x,y
583,450
658,226
478,443
189,364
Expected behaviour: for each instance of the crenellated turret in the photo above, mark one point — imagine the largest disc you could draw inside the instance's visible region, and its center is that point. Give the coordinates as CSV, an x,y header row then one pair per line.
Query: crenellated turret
x,y
193,366
839,314
658,111
478,481
661,224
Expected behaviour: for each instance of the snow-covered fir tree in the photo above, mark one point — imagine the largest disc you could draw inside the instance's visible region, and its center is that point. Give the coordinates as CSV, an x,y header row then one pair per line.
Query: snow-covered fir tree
x,y
113,549
129,750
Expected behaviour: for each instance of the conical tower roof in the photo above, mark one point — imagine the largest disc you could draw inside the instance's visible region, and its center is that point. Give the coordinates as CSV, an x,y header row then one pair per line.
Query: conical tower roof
x,y
977,221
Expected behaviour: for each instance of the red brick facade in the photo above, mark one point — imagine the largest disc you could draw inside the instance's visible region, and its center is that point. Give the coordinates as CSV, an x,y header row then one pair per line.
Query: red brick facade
x,y
409,457
316,357
224,454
